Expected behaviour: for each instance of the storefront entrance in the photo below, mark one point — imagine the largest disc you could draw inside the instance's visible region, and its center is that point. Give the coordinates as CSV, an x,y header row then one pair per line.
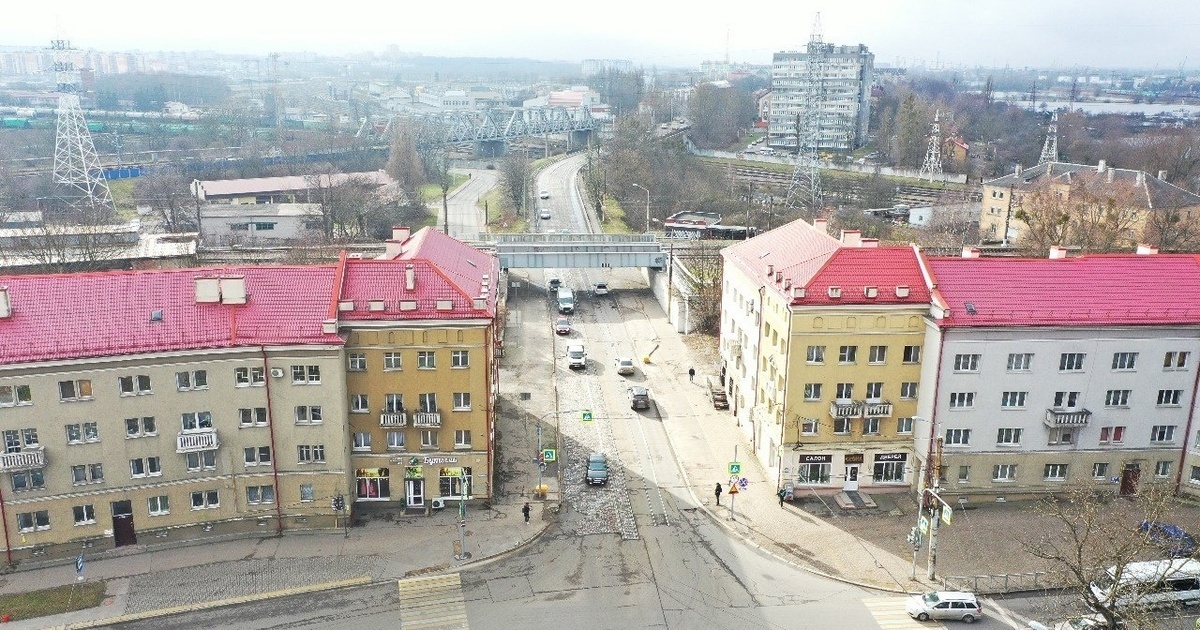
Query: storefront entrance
x,y
851,484
414,492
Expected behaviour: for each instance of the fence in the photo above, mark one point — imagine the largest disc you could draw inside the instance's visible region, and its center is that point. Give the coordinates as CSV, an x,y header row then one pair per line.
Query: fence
x,y
1009,583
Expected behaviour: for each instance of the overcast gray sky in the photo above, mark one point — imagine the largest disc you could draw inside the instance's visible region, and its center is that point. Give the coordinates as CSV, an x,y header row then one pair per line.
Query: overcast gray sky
x,y
1061,33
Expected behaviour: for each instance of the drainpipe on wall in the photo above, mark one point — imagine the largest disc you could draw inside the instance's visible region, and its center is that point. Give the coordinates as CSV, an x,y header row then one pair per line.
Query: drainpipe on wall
x,y
4,517
489,336
754,421
930,471
1187,432
274,451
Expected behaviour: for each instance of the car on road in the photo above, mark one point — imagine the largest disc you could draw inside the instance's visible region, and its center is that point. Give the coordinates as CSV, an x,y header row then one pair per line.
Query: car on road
x,y
1172,539
576,356
625,366
639,398
544,214
545,194
562,326
597,469
554,283
600,288
944,605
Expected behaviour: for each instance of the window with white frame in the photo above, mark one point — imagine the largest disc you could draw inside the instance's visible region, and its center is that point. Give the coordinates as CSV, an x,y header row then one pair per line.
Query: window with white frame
x,y
1071,361
1162,469
845,391
256,495
32,479
1112,435
848,354
912,354
206,500
84,514
309,414
1195,476
427,403
966,363
877,355
140,427
359,403
908,390
158,506
1176,360
194,421
201,460
1125,361
391,361
306,375
870,426
257,455
809,426
310,453
1004,472
137,385
812,391
426,360
362,441
842,426
1066,400
13,395
815,355
904,425
252,416
875,391
429,438
1055,472
393,403
1013,400
396,440
1169,397
145,467
75,390
1020,362
188,381
958,437
1008,437
248,377
87,473
814,473
1161,433
1062,435
462,438
1100,470
1116,398
462,401
17,439
459,359
306,493
962,400
82,432
33,521
356,362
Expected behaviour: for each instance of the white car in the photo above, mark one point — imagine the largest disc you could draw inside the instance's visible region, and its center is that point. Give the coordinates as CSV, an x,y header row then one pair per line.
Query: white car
x,y
544,214
625,366
600,288
545,194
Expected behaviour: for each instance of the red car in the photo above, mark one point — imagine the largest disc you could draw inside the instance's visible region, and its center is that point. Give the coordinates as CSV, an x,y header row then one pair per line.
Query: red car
x,y
562,326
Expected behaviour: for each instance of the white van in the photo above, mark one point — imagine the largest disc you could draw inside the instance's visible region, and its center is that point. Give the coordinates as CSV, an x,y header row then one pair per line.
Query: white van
x,y
576,356
1152,584
566,300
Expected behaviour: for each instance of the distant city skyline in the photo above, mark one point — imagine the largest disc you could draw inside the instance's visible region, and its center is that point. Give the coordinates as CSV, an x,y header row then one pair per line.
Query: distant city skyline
x,y
1097,34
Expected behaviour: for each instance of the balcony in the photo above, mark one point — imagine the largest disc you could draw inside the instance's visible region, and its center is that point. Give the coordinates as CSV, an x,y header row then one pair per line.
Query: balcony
x,y
193,442
393,420
23,460
847,409
1067,417
881,409
427,420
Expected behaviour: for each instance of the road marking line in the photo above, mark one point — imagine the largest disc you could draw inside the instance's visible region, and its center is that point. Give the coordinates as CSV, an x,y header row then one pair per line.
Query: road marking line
x,y
889,614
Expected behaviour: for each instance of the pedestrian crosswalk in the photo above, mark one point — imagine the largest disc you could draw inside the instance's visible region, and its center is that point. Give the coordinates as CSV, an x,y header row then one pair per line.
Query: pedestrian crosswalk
x,y
889,614
432,603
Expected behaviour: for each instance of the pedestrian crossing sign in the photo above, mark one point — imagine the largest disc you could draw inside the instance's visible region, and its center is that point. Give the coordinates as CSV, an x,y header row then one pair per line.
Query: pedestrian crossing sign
x,y
587,415
735,468
549,455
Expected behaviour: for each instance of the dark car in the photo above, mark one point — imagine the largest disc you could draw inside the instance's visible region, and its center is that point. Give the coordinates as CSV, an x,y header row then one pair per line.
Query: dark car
x,y
597,469
1173,540
562,326
639,398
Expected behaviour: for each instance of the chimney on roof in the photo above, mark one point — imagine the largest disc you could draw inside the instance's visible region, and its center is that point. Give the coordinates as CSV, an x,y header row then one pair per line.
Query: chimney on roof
x,y
1146,250
1057,252
233,290
822,225
970,252
1162,175
871,243
401,233
1141,178
1017,170
1109,175
410,278
1101,165
393,247
851,238
208,290
5,304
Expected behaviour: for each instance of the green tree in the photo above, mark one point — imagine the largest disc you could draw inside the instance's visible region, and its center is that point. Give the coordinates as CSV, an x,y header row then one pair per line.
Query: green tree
x,y
911,130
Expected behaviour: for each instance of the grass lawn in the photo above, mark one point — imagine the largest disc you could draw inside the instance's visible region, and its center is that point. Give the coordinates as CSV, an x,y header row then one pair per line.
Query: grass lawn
x,y
501,217
614,218
52,601
122,194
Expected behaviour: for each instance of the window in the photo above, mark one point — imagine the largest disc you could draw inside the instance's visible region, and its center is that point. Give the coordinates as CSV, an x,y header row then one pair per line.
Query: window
x,y
89,473
462,401
1162,469
201,460
871,426
874,391
462,438
816,354
459,359
33,521
205,500
812,391
814,473
425,360
134,385
888,472
198,421
252,416
1124,360
362,441
310,453
808,426
845,391
260,494
246,377
74,390
158,506
1195,476
429,438
356,362
1008,437
1100,470
15,440
1162,433
140,427
908,391
964,474
877,355
1055,472
1066,400
11,395
306,375
1169,397
395,440
256,455
1004,472
187,381
958,437
308,414
1019,362
428,403
842,426
137,467
1175,360
1061,436
962,400
306,492
91,432
1013,400
359,403
1112,435
23,480
1116,398
966,363
1071,362
847,354
455,482
904,425
912,354
391,361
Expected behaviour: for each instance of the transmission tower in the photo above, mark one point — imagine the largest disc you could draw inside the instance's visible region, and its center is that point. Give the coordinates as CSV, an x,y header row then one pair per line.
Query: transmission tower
x,y
1050,148
804,191
76,167
932,166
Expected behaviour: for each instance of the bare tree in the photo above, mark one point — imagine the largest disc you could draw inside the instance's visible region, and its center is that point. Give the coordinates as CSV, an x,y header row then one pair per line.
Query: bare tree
x,y
704,280
1090,213
167,193
1172,230
514,178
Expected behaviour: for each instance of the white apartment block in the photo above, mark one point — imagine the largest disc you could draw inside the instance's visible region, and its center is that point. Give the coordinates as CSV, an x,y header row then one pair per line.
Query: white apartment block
x,y
844,101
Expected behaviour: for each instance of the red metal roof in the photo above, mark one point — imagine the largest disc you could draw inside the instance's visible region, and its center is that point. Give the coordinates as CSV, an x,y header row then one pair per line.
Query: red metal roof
x,y
75,316
1095,290
796,249
854,270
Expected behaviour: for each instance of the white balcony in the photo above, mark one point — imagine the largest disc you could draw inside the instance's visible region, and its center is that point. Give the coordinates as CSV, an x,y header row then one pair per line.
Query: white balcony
x,y
846,409
1067,417
193,442
882,409
427,420
23,460
393,420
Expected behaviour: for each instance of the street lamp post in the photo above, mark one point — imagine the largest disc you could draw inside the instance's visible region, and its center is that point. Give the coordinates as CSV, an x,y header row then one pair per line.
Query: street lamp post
x,y
647,205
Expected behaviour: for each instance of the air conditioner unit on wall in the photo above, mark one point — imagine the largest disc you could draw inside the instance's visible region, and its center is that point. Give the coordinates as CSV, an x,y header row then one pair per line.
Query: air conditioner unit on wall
x,y
276,372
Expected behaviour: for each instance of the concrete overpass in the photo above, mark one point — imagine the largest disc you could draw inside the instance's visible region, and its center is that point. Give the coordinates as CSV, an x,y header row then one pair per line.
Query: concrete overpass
x,y
568,251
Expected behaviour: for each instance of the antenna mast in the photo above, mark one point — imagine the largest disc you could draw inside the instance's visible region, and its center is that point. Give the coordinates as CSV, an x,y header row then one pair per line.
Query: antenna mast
x,y
804,191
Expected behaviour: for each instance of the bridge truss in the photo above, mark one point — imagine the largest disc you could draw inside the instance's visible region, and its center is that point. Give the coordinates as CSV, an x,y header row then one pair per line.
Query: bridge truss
x,y
453,127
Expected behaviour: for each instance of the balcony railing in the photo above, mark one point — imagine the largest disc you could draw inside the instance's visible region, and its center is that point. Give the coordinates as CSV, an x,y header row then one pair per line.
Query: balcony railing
x,y
394,420
427,419
846,409
880,409
23,460
192,442
1067,418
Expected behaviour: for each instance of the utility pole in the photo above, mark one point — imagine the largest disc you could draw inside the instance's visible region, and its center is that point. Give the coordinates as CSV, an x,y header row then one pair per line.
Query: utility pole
x,y
935,508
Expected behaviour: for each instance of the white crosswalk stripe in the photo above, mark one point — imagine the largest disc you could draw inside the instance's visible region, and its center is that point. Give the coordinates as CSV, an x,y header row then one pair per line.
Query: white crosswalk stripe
x,y
432,603
889,614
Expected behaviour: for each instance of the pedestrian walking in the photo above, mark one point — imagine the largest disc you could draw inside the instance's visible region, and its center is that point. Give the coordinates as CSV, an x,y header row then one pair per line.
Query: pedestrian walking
x,y
525,511
718,493
692,374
